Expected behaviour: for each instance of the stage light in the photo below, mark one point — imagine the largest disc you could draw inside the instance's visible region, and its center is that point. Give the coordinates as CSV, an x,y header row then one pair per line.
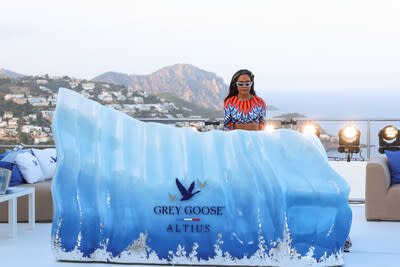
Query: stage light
x,y
269,128
310,129
389,139
349,141
194,128
390,132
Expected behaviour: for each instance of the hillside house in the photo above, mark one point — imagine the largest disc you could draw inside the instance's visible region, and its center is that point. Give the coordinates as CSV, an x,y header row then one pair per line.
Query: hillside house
x,y
88,86
8,115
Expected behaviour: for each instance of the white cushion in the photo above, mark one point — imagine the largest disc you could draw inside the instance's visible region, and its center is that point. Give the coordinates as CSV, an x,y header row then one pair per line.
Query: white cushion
x,y
29,167
47,160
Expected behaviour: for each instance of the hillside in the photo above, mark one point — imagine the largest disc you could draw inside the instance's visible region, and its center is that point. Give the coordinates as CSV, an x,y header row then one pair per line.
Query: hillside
x,y
190,107
27,105
186,81
10,74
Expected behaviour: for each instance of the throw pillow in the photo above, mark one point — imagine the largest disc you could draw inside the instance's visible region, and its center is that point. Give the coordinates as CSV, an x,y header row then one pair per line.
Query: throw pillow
x,y
16,177
6,165
29,167
394,165
47,160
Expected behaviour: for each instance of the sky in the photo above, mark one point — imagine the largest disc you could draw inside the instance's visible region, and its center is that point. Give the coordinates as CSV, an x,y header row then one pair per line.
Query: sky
x,y
312,46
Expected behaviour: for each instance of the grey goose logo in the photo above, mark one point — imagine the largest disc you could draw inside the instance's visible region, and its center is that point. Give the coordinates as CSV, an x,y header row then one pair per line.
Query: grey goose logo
x,y
186,193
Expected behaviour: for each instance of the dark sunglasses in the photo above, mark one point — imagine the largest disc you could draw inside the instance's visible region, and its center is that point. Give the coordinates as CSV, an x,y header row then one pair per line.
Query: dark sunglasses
x,y
244,84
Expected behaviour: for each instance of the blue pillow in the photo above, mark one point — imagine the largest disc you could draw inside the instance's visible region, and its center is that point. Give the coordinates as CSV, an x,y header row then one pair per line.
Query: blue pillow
x,y
394,165
6,165
16,177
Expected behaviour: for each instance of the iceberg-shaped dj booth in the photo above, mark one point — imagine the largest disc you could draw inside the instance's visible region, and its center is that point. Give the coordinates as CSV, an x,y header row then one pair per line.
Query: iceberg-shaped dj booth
x,y
132,192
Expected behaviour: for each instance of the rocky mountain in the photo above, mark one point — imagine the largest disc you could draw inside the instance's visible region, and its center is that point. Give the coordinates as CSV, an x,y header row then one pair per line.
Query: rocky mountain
x,y
10,74
184,80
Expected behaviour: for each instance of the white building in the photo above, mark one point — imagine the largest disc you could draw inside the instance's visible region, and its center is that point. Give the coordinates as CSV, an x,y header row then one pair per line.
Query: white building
x,y
11,130
143,93
52,101
105,96
138,99
45,89
47,114
119,96
169,106
13,122
8,115
41,81
33,116
143,107
86,94
41,139
129,106
114,106
31,129
38,101
26,128
13,96
73,84
88,86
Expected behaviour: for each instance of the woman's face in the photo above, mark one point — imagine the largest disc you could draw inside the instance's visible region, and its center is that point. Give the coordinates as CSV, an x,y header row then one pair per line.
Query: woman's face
x,y
243,90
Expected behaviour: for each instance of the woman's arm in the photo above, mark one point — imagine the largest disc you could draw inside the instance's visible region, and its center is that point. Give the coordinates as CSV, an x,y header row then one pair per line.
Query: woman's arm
x,y
263,115
228,125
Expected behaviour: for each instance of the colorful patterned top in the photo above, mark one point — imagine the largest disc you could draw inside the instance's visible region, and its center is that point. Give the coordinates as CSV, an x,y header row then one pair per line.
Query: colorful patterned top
x,y
244,111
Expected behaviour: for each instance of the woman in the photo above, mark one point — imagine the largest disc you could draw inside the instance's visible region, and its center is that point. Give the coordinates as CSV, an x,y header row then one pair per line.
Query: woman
x,y
243,109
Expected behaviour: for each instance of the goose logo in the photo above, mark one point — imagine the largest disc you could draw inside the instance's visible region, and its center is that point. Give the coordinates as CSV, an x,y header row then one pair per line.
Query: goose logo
x,y
186,194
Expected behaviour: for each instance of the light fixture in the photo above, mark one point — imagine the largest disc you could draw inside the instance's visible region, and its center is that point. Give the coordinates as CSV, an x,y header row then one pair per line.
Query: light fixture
x,y
349,141
389,139
310,129
269,128
194,128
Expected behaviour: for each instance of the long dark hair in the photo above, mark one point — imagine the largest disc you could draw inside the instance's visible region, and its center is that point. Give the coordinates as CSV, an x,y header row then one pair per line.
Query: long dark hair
x,y
233,88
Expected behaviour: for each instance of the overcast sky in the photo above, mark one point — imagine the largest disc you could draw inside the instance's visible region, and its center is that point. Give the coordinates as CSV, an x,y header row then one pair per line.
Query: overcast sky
x,y
308,44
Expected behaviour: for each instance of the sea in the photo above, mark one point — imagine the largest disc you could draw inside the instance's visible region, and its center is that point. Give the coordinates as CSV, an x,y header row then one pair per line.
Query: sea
x,y
350,105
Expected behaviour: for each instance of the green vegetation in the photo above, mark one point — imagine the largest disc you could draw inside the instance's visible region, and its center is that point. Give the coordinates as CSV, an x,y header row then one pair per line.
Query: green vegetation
x,y
195,109
17,110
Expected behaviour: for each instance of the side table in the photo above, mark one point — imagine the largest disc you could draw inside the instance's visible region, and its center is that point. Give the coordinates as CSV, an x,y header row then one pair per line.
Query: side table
x,y
12,194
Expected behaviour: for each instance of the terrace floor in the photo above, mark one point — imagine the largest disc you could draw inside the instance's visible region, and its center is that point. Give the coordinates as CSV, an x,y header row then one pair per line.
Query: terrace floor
x,y
374,244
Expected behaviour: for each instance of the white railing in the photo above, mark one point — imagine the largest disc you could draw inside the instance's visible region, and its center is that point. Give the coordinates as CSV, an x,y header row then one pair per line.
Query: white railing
x,y
368,142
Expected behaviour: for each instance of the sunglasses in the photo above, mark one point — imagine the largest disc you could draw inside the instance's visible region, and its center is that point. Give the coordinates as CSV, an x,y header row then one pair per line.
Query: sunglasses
x,y
244,84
